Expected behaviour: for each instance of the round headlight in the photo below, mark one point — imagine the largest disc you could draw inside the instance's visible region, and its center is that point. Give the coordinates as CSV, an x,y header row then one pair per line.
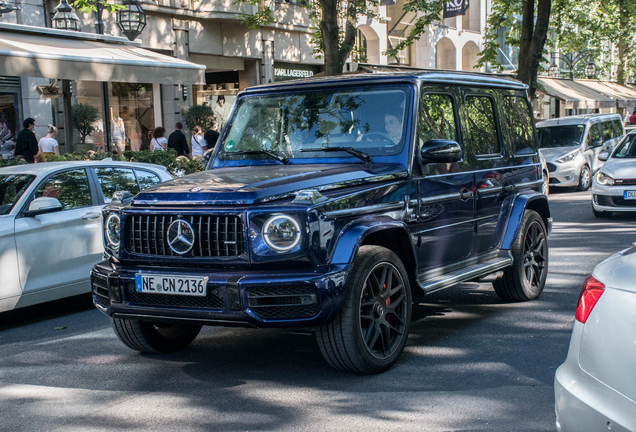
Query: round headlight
x,y
281,233
113,230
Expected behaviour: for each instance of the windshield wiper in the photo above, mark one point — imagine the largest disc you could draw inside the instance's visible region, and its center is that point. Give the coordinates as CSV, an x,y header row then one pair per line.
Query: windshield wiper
x,y
280,158
357,153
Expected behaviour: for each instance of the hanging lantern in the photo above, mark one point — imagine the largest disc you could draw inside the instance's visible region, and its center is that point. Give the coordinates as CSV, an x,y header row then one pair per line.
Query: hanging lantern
x,y
590,69
554,70
132,19
65,17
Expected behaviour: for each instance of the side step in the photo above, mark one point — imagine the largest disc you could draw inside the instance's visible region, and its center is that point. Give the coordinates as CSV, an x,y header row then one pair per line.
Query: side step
x,y
467,273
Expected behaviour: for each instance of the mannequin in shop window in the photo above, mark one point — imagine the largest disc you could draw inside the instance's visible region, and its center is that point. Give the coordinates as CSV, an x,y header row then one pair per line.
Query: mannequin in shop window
x,y
221,112
118,133
133,131
6,139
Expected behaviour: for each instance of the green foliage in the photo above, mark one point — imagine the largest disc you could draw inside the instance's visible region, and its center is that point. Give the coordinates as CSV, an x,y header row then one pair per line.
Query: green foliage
x,y
4,162
87,6
201,115
504,15
431,12
83,116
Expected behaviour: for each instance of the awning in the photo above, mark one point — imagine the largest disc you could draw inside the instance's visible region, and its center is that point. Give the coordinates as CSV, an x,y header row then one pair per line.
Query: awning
x,y
67,55
624,96
575,95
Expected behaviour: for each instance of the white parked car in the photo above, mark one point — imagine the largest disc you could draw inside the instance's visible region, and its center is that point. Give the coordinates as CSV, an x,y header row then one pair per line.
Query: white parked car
x,y
614,186
50,224
595,389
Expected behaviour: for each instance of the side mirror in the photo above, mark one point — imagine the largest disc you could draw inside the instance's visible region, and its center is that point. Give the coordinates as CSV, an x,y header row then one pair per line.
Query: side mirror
x,y
43,205
597,143
603,156
441,151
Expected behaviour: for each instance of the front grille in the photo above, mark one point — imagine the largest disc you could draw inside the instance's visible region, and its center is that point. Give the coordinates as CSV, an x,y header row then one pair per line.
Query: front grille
x,y
620,202
554,180
214,236
551,167
99,285
212,300
284,302
624,182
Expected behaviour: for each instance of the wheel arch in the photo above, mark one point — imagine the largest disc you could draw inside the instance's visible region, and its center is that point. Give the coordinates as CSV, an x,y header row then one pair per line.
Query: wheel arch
x,y
535,201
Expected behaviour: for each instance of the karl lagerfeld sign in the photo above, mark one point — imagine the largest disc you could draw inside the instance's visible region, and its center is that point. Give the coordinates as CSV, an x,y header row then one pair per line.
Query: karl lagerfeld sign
x,y
454,8
288,71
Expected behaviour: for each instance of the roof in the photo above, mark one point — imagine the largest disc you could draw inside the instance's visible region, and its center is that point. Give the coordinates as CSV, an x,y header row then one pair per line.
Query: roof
x,y
44,168
624,96
575,95
578,119
429,76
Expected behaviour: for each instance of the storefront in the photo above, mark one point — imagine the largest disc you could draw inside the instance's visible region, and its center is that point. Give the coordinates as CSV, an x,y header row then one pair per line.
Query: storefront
x,y
564,97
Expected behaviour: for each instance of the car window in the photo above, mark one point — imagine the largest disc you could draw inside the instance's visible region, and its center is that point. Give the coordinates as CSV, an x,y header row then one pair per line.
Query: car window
x,y
482,126
69,187
519,122
12,186
113,180
437,118
560,136
594,133
618,128
626,149
146,179
608,130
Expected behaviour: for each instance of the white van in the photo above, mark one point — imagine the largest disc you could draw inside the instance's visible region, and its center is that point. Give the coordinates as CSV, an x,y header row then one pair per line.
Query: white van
x,y
571,145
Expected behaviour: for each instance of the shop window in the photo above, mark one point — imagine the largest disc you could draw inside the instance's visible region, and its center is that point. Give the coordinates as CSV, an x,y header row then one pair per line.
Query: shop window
x,y
519,122
69,187
482,125
437,118
113,180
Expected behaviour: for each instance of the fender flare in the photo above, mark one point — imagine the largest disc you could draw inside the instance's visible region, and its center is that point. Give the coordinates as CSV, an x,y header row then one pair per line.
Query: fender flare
x,y
349,241
527,200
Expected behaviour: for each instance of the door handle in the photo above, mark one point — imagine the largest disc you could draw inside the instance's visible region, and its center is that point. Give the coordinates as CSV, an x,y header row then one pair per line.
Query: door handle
x,y
508,188
466,195
91,216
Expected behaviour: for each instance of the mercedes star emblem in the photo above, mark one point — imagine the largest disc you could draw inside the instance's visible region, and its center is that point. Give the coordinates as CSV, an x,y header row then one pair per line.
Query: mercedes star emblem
x,y
180,236
195,189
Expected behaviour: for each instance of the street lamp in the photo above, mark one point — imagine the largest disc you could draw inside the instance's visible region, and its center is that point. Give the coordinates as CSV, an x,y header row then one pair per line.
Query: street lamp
x,y
571,59
5,7
65,17
132,19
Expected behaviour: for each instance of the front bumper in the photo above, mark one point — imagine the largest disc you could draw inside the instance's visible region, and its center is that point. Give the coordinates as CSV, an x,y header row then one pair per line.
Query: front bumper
x,y
610,198
583,403
565,174
233,298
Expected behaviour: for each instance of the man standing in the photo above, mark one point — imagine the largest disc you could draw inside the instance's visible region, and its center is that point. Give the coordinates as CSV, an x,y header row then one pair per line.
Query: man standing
x,y
177,141
632,118
27,145
212,135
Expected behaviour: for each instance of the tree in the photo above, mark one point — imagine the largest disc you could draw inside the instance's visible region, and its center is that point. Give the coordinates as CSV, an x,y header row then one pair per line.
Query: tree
x,y
529,35
83,117
199,115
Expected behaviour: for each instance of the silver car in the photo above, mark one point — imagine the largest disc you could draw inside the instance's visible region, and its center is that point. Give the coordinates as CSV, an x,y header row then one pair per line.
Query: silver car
x,y
50,224
595,389
571,145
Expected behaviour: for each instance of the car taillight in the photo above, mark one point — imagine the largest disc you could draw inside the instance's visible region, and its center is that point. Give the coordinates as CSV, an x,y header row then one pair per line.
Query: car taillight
x,y
590,293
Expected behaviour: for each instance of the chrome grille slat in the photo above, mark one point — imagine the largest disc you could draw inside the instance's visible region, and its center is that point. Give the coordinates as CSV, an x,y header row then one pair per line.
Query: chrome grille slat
x,y
215,236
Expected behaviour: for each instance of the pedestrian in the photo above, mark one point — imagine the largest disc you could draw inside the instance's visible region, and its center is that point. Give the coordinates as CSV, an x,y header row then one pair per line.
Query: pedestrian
x,y
48,145
177,141
626,121
27,145
632,118
198,143
212,135
159,140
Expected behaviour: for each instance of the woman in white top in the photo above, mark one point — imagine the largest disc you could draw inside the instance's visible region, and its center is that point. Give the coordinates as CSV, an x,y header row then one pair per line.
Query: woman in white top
x,y
159,140
48,144
198,143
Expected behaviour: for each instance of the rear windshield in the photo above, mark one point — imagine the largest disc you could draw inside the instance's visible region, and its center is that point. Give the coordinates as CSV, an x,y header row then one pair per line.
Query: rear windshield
x,y
302,124
12,186
626,149
560,136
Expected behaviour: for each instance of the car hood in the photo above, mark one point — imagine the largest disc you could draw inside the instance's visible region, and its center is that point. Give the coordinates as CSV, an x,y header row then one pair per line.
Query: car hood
x,y
618,271
254,184
620,168
551,154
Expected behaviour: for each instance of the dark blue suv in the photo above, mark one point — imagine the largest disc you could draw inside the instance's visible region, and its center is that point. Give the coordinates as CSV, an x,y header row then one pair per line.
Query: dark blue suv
x,y
330,204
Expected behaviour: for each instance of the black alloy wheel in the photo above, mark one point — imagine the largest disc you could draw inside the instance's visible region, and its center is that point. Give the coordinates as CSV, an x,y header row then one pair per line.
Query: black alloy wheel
x,y
534,253
370,332
585,179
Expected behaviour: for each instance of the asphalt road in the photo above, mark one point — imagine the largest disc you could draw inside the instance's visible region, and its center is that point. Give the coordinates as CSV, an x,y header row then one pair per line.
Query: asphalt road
x,y
472,362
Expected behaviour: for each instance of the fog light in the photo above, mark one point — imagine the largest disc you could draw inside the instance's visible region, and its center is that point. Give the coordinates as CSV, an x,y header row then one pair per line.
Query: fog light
x,y
113,287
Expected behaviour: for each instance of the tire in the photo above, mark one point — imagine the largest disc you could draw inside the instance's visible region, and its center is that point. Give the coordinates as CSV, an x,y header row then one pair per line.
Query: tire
x,y
585,179
371,330
601,214
525,279
154,338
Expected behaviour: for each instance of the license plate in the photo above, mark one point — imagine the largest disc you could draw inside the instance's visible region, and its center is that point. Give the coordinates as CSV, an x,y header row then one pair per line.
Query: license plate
x,y
171,284
629,195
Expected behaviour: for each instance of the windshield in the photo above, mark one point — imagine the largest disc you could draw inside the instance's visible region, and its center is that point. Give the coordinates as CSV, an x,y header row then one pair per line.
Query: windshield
x,y
12,186
281,127
560,136
626,149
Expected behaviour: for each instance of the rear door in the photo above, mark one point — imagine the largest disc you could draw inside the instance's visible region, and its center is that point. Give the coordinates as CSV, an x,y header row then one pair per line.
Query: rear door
x,y
60,248
446,190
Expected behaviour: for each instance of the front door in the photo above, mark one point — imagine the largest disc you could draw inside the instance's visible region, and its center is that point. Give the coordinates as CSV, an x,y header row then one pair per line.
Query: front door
x,y
60,248
446,190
